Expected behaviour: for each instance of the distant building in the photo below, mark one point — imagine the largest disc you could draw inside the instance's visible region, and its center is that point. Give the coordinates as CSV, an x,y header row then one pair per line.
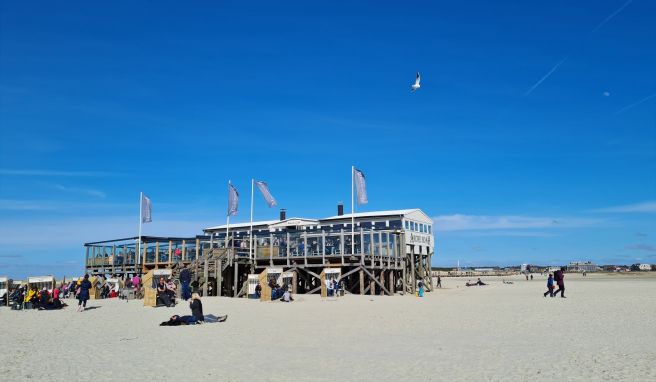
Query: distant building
x,y
579,266
644,267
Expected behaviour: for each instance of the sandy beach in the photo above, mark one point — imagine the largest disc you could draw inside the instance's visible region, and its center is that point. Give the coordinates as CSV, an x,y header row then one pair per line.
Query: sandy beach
x,y
604,330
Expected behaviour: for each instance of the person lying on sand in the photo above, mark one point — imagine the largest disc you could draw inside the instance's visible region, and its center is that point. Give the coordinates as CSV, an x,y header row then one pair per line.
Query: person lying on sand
x,y
176,320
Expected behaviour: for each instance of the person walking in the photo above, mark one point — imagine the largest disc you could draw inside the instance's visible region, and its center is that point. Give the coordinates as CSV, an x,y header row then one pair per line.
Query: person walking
x,y
83,294
550,286
439,282
559,277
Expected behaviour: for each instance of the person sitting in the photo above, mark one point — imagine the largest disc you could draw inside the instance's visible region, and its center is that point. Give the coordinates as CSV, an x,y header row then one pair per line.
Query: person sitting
x,y
479,282
329,287
287,296
176,320
170,289
196,307
258,290
44,297
162,294
276,293
16,298
336,287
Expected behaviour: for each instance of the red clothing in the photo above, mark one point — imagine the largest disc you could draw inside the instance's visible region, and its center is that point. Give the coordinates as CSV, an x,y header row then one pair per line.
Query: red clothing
x,y
55,293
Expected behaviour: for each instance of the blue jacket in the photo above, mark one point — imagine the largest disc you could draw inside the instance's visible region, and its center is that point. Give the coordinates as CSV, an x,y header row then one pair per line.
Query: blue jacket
x,y
549,282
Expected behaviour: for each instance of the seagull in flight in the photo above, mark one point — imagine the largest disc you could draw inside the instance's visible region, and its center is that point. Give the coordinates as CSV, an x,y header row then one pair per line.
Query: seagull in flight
x,y
416,85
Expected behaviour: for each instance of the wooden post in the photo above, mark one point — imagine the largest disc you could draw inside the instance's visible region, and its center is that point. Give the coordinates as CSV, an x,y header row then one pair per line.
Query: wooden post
x,y
413,274
382,281
392,285
305,249
218,276
113,259
372,283
206,272
271,250
287,250
235,279
361,281
170,251
156,254
323,247
197,248
86,264
184,250
341,244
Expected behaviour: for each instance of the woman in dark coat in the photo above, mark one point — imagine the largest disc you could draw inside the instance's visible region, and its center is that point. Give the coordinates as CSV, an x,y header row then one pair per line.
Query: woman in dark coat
x,y
83,295
196,307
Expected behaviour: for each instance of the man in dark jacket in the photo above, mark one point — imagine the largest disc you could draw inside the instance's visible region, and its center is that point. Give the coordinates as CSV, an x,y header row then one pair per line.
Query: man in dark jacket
x,y
559,277
185,280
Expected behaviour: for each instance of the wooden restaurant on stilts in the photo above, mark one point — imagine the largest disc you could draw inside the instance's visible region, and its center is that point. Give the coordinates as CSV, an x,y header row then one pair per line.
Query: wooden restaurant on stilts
x,y
375,253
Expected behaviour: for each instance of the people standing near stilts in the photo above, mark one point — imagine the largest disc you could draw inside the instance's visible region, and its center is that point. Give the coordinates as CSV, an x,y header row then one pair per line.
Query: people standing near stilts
x,y
83,294
559,277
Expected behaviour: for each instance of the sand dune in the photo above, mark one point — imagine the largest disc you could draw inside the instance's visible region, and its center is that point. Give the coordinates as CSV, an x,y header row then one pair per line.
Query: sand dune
x,y
604,330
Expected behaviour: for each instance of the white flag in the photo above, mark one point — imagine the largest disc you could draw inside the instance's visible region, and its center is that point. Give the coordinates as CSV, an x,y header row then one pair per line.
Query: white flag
x,y
360,187
146,209
264,189
233,200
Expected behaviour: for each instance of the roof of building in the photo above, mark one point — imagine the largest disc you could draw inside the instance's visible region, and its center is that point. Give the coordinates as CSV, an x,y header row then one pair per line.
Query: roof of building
x,y
373,214
357,215
243,225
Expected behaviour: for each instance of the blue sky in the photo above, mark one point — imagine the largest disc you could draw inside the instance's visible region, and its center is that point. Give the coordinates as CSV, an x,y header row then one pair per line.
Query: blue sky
x,y
532,139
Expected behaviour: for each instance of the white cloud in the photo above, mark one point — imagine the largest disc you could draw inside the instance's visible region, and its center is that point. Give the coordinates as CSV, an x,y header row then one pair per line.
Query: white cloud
x,y
645,207
77,190
74,232
642,247
460,222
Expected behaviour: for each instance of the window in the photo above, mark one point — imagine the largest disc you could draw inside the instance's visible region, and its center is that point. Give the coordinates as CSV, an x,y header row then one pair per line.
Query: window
x,y
407,224
421,228
430,229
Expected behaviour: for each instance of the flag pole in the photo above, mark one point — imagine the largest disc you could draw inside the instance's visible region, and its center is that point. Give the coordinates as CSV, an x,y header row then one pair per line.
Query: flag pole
x,y
250,244
352,214
138,257
228,218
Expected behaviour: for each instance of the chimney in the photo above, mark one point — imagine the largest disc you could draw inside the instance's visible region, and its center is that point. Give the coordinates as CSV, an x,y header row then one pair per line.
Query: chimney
x,y
283,214
340,209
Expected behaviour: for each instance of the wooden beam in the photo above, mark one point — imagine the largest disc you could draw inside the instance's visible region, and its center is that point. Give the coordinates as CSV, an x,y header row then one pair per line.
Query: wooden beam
x,y
350,272
376,281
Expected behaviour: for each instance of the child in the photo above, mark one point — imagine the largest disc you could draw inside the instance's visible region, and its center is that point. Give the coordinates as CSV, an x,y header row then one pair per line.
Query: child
x,y
550,286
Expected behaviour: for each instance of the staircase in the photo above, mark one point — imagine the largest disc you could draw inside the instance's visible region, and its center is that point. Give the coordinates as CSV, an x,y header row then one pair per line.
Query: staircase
x,y
211,257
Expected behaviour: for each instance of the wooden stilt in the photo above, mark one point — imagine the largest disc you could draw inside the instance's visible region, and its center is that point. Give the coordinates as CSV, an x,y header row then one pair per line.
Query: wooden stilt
x,y
361,281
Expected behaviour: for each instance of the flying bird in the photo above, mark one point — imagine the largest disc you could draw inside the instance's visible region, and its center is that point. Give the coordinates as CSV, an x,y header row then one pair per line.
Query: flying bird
x,y
416,85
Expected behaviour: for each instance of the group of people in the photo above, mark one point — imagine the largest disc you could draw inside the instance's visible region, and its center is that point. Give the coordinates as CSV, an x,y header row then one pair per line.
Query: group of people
x,y
477,283
278,292
559,278
33,298
166,290
332,287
